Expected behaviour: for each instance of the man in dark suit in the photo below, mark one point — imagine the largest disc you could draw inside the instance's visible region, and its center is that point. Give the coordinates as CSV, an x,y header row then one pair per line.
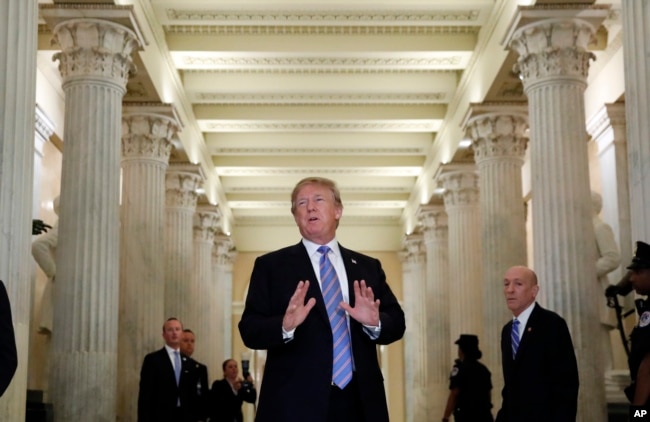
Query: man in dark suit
x,y
8,354
168,381
285,313
202,387
228,394
539,364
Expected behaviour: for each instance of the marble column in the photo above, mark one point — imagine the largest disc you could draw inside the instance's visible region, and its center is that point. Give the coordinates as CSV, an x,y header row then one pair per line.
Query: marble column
x,y
415,354
181,182
553,64
438,340
18,32
461,198
607,128
95,63
499,144
203,317
636,36
223,257
147,132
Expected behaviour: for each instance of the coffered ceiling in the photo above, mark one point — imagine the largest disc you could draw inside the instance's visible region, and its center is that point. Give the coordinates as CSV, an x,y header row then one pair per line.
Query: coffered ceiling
x,y
357,91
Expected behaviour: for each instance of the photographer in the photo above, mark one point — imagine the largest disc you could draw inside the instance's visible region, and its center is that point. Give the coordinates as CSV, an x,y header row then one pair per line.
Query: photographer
x,y
228,394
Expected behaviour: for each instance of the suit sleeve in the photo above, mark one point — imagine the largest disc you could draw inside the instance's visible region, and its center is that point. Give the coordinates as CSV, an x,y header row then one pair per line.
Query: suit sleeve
x,y
261,322
391,315
8,354
565,373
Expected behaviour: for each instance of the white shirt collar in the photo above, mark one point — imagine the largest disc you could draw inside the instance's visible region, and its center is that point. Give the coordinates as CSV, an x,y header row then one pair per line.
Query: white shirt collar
x,y
312,248
523,317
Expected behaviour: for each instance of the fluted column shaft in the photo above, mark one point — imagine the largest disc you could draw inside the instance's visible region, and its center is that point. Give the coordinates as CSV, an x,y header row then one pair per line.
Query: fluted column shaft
x,y
554,61
499,145
18,32
146,145
466,290
438,339
203,317
415,354
94,63
180,197
222,260
636,35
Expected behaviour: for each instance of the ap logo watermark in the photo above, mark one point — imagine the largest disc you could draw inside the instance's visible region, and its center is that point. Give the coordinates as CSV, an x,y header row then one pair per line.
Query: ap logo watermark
x,y
639,413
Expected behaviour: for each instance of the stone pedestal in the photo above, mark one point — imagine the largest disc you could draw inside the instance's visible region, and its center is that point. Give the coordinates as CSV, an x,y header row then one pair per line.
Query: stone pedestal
x,y
499,144
438,357
18,32
553,64
147,131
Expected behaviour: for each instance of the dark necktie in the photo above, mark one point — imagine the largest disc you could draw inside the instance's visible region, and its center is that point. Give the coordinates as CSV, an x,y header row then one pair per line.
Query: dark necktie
x,y
342,363
514,337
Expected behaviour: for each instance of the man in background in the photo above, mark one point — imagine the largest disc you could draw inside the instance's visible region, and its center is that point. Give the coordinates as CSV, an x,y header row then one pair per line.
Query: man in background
x,y
168,381
202,386
540,370
639,360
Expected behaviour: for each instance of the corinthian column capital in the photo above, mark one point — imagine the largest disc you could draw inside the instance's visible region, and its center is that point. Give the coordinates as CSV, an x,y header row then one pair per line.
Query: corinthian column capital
x,y
181,183
498,135
95,47
461,186
147,132
206,223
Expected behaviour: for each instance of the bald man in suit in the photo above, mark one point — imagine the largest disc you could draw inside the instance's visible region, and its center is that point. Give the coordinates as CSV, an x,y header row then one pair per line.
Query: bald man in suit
x,y
541,374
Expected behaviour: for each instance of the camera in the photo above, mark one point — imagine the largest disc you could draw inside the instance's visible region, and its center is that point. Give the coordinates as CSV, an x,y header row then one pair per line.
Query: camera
x,y
245,368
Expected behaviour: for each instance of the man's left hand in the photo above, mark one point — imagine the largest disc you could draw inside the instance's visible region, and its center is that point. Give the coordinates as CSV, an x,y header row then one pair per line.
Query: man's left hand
x,y
366,308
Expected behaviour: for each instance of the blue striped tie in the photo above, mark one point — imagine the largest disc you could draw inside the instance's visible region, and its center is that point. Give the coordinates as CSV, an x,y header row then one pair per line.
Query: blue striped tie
x,y
514,337
342,365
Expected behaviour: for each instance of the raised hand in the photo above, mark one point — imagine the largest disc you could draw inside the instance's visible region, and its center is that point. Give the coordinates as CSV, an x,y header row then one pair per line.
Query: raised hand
x,y
366,308
297,310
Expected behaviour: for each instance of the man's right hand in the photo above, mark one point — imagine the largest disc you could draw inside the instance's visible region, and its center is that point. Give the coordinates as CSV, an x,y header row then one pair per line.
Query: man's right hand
x,y
297,310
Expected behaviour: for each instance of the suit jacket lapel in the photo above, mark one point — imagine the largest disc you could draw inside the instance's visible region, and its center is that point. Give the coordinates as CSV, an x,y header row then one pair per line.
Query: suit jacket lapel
x,y
351,271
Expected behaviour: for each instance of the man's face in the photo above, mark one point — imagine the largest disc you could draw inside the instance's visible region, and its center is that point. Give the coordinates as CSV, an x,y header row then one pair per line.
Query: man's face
x,y
232,370
316,213
640,280
187,344
173,333
519,289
